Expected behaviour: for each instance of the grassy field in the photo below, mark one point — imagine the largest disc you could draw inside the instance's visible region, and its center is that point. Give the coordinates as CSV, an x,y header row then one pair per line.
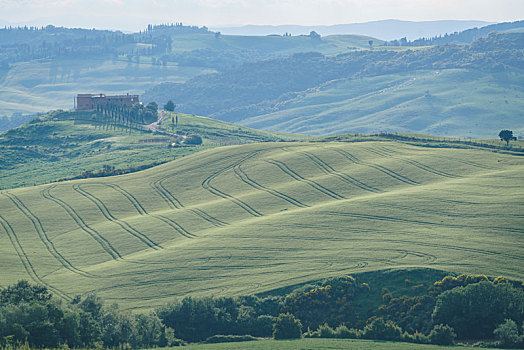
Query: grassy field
x,y
252,218
304,344
459,103
62,145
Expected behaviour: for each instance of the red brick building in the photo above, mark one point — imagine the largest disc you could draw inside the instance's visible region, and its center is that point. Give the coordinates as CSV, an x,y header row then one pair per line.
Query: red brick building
x,y
89,102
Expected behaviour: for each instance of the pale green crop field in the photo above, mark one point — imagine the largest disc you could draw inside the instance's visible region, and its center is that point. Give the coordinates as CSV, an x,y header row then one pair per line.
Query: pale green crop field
x,y
453,102
304,344
245,219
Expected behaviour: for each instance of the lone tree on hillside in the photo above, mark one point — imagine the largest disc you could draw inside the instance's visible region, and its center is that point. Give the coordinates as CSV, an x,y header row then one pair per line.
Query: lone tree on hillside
x,y
506,135
169,106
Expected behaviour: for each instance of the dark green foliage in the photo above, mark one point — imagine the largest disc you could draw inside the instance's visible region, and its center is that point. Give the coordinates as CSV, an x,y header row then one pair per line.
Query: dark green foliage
x,y
442,335
193,140
287,327
29,313
329,303
169,106
197,319
382,330
342,332
23,292
507,334
476,310
507,136
229,338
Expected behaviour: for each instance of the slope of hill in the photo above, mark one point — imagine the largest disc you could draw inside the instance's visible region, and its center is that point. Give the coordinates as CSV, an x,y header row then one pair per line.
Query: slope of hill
x,y
444,89
252,218
386,29
65,144
452,102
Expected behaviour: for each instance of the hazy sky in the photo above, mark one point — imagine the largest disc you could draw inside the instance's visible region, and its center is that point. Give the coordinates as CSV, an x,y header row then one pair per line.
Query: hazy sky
x,y
135,14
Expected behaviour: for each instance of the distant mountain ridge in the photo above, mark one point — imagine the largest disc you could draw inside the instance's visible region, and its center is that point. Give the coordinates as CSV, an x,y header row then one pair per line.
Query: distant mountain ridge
x,y
390,29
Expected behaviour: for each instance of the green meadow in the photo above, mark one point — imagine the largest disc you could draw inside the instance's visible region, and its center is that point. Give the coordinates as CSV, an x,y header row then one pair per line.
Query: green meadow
x,y
252,218
451,102
304,344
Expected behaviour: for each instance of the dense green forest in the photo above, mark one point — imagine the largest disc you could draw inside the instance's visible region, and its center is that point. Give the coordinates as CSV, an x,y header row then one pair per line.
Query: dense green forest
x,y
260,87
418,306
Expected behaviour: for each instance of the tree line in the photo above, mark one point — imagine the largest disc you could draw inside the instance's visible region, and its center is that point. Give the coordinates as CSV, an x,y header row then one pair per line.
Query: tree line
x,y
465,307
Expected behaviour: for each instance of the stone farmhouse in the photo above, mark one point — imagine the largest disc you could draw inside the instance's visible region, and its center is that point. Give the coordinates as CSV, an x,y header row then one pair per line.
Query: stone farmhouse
x,y
90,102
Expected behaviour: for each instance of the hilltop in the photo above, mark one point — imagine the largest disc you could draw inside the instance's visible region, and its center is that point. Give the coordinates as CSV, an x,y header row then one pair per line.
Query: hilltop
x,y
243,219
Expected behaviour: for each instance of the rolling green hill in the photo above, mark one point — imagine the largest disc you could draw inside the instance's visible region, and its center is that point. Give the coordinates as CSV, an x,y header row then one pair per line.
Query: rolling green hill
x,y
251,218
454,90
62,145
453,102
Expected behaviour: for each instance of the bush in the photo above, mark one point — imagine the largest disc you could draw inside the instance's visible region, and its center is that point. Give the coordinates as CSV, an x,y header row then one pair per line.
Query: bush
x,y
476,310
229,338
263,326
326,332
382,330
507,334
287,327
342,332
417,338
193,140
442,335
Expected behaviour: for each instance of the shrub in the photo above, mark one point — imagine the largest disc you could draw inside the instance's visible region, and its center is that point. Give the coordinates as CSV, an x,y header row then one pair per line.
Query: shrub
x,y
507,333
343,332
442,335
382,330
287,327
476,310
193,140
229,338
417,338
326,332
263,326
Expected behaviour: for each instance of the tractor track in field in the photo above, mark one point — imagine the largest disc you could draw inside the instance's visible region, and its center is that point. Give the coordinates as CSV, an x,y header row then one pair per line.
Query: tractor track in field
x,y
380,168
401,220
182,231
387,153
329,170
241,174
315,185
141,211
139,208
167,196
174,203
107,214
94,234
24,259
44,238
442,246
206,184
